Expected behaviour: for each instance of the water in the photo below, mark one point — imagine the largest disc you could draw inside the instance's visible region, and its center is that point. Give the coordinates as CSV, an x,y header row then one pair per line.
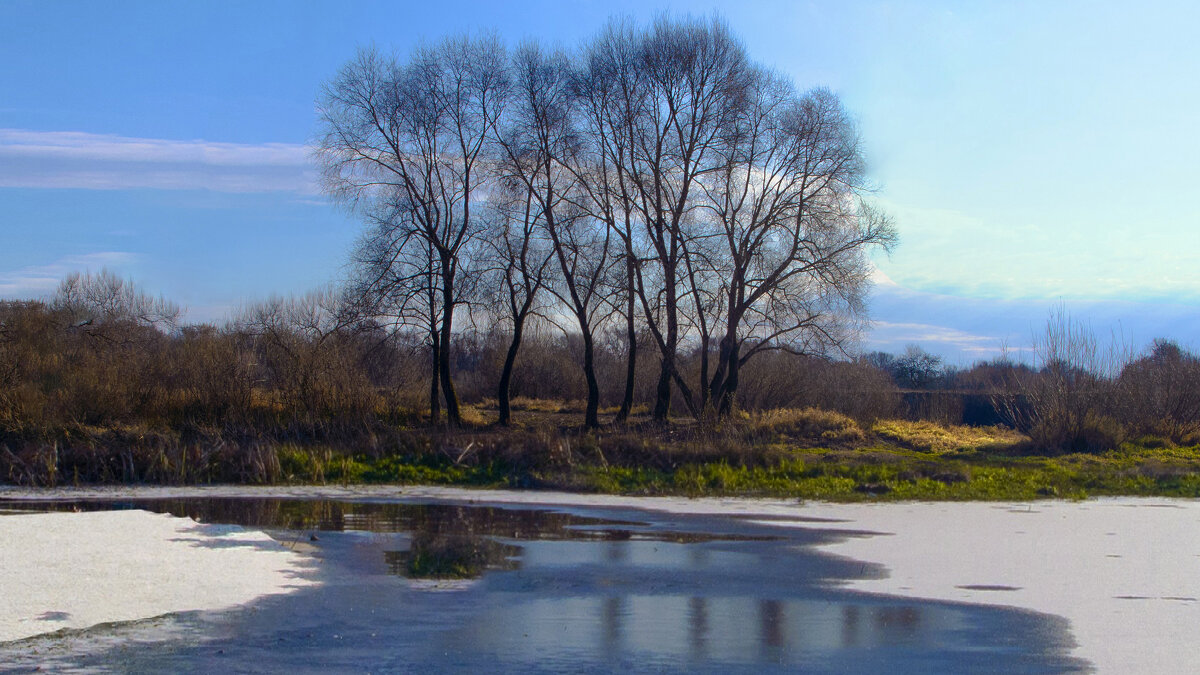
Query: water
x,y
418,587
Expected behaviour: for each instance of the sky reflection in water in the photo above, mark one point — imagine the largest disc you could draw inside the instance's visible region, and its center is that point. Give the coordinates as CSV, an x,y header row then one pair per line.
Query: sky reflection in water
x,y
581,589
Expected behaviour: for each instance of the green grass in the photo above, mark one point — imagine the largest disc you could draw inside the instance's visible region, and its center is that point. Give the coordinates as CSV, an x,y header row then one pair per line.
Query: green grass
x,y
984,479
881,473
322,464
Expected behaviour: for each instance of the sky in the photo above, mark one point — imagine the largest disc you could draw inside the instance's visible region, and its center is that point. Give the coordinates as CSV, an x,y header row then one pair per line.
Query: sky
x,y
1032,154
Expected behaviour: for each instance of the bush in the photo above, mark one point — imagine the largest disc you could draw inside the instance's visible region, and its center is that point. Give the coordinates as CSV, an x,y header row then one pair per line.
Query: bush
x,y
1160,393
1093,433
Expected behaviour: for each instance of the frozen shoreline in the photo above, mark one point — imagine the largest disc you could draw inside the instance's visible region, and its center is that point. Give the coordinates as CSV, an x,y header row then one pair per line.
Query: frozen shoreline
x,y
75,570
1124,571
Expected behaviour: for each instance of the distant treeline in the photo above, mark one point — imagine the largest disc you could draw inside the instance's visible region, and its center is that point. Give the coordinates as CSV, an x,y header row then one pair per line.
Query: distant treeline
x,y
101,356
101,353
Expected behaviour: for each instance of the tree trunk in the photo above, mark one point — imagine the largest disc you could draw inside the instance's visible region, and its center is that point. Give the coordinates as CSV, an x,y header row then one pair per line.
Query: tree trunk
x,y
453,416
716,387
435,403
729,392
631,338
662,399
662,402
591,417
510,359
724,379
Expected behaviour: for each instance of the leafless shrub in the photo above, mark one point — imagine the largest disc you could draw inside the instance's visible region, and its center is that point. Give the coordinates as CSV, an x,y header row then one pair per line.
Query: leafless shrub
x,y
1068,404
306,351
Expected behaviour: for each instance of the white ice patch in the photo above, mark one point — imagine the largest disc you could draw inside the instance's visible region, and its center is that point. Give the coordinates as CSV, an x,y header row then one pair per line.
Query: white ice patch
x,y
1124,572
75,570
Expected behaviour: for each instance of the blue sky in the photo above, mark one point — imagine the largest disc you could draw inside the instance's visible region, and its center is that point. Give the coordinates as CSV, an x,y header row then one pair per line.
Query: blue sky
x,y
1031,153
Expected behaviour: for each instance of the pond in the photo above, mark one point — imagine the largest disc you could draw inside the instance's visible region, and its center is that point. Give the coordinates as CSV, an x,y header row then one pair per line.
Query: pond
x,y
421,586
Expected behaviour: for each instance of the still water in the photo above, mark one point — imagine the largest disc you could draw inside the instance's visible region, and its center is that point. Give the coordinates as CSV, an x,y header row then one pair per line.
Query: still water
x,y
420,587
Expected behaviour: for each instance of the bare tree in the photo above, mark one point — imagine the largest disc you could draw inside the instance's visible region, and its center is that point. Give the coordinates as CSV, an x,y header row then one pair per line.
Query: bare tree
x,y
791,227
916,368
406,142
1069,403
396,280
676,182
307,349
1160,392
119,333
746,199
112,309
542,154
609,98
676,86
522,266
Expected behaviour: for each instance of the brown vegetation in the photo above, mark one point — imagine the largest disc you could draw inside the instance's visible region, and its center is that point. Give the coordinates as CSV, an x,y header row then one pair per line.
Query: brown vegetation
x,y
97,384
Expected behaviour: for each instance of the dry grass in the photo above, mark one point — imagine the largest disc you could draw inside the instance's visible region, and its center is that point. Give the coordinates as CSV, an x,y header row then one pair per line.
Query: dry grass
x,y
937,438
538,405
472,416
638,410
807,425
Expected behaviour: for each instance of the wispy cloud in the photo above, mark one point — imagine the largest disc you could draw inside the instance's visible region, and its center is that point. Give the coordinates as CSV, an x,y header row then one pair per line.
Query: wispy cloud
x,y
1021,257
37,281
964,330
74,159
937,338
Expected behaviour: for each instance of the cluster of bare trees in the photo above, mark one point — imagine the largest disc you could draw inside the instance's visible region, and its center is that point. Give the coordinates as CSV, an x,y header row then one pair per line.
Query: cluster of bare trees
x,y
656,179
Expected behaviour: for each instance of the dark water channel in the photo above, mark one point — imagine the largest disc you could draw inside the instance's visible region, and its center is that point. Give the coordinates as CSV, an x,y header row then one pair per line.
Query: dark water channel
x,y
422,587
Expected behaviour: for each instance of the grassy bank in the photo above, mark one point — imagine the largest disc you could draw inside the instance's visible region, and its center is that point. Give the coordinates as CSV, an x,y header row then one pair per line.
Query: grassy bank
x,y
808,454
883,472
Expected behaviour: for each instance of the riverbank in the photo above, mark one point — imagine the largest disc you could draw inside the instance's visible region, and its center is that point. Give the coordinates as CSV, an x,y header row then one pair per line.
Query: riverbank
x,y
802,454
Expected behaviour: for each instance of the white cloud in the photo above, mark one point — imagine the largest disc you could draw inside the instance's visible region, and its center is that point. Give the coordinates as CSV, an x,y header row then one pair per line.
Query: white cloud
x,y
878,277
37,281
73,159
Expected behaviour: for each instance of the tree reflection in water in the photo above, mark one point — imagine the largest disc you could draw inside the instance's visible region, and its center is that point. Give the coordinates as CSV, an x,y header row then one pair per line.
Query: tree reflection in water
x,y
698,626
443,556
